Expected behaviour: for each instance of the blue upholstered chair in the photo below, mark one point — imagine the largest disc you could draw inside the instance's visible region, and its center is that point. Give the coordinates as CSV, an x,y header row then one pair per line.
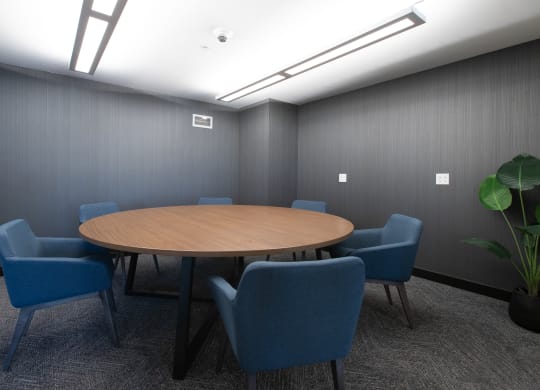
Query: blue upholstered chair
x,y
286,314
214,200
311,205
42,272
389,254
92,210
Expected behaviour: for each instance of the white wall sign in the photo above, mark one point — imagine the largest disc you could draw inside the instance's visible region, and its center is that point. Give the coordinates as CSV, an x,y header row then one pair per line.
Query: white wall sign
x,y
202,121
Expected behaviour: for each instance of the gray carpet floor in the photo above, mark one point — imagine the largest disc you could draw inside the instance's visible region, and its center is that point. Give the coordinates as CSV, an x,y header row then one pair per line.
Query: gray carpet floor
x,y
461,341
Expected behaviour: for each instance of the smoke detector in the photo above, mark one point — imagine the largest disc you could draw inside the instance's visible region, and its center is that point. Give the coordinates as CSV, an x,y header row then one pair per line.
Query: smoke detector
x,y
222,35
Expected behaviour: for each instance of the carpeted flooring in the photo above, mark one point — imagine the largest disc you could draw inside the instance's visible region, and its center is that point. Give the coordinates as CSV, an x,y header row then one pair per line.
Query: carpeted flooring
x,y
461,341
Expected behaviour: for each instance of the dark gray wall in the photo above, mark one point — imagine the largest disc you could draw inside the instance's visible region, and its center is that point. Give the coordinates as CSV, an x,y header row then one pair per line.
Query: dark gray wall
x,y
63,144
254,155
464,118
268,154
283,153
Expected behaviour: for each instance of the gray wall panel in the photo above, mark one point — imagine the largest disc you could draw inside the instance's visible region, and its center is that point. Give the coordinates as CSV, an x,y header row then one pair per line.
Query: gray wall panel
x,y
464,118
62,144
254,154
283,153
268,154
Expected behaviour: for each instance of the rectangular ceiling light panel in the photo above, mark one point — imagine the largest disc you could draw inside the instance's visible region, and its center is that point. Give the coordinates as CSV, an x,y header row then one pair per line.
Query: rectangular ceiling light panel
x,y
105,7
355,44
403,21
252,88
95,30
96,25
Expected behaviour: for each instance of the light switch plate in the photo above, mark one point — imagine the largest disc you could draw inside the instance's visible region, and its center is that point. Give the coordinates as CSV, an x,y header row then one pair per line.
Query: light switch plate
x,y
342,178
442,179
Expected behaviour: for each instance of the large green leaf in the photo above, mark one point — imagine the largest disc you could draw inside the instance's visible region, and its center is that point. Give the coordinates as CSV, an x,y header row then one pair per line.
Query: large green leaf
x,y
494,195
537,213
521,173
533,230
530,234
490,245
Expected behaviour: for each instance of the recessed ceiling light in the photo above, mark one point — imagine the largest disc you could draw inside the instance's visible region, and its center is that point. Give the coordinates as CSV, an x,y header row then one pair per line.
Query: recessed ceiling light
x,y
253,87
96,25
95,29
106,7
403,21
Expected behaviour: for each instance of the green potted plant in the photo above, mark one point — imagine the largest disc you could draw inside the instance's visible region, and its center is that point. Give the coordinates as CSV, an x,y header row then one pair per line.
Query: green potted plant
x,y
520,174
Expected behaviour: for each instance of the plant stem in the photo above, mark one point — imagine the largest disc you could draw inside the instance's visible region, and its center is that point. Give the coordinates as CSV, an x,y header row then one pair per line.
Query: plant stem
x,y
522,208
526,276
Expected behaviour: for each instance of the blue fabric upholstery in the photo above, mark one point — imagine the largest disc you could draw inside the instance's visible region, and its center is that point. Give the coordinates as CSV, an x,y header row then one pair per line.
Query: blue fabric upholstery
x,y
312,205
43,272
389,253
286,314
211,200
39,270
93,210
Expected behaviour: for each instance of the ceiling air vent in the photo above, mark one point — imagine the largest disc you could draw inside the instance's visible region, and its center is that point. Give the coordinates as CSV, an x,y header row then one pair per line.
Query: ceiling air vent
x,y
202,121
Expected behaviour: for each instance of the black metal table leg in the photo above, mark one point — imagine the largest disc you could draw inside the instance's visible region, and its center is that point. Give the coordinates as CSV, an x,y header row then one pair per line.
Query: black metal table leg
x,y
181,361
184,351
128,287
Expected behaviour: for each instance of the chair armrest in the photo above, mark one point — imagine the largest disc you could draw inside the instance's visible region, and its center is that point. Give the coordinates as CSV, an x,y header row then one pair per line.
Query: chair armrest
x,y
35,280
360,238
68,247
368,237
390,261
224,295
363,238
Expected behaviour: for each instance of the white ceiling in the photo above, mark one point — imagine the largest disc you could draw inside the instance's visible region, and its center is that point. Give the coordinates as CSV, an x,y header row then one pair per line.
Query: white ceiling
x,y
157,46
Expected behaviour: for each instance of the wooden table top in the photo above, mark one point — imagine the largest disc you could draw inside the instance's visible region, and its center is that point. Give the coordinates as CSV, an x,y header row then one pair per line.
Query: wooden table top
x,y
216,230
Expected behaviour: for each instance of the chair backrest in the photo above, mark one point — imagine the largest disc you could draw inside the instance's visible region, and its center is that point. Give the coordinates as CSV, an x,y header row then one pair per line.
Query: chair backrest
x,y
93,210
17,240
214,200
401,228
313,205
295,313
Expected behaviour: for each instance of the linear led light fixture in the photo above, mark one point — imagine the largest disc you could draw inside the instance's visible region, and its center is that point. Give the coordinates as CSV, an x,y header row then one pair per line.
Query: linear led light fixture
x,y
96,25
403,21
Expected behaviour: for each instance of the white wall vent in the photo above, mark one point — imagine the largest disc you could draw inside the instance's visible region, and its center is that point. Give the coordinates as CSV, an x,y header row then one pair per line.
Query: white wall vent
x,y
203,121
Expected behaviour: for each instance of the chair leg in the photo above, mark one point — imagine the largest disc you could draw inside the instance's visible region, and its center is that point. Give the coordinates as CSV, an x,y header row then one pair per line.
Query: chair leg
x,y
113,301
405,303
387,290
221,353
23,322
251,381
267,257
338,374
107,305
30,317
123,265
156,264
116,261
294,256
318,253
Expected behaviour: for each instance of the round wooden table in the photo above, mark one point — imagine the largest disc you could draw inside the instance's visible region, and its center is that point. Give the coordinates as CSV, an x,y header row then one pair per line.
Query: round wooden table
x,y
210,231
